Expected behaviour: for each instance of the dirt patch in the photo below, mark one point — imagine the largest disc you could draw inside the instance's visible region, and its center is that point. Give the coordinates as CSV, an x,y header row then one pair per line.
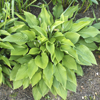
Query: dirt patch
x,y
88,85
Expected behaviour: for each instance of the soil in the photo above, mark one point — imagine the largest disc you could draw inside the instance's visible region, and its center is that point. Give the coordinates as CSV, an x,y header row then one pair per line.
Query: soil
x,y
88,86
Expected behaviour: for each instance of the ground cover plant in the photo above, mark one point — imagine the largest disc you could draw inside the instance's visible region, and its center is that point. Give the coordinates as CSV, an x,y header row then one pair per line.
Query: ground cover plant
x,y
47,51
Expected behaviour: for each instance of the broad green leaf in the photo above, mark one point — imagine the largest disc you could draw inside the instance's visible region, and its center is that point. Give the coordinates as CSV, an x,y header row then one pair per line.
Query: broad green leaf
x,y
97,25
34,51
6,45
44,26
60,74
22,72
70,11
48,82
36,93
70,86
69,50
78,26
48,71
89,32
42,61
79,70
26,83
67,25
57,10
92,39
19,50
86,19
71,76
14,28
14,71
72,36
4,32
14,57
86,54
17,84
53,91
95,1
31,19
43,88
66,42
59,89
44,16
6,70
92,46
40,30
59,54
36,78
30,34
69,62
57,23
1,76
32,68
6,60
19,23
18,38
24,59
50,47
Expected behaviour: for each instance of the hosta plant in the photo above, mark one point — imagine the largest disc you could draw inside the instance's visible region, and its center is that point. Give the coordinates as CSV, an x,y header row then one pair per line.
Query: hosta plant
x,y
48,51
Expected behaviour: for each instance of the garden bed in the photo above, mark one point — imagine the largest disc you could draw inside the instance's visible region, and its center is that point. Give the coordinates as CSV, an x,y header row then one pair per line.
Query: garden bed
x,y
88,85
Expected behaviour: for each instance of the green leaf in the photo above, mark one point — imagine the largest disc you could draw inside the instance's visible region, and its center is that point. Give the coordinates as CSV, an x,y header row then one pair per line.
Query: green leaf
x,y
59,54
6,60
34,51
70,11
57,10
6,45
17,84
89,32
50,47
69,50
71,76
86,19
4,32
31,19
36,78
36,93
44,16
72,36
92,46
22,72
67,25
48,82
42,61
1,76
26,83
6,70
48,71
18,38
59,89
70,86
14,28
19,50
40,30
24,59
60,74
79,70
30,34
78,26
43,88
32,68
14,71
57,23
86,54
97,25
69,62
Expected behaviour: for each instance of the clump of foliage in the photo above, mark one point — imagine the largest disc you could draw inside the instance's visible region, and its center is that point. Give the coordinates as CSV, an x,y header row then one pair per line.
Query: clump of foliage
x,y
47,51
86,3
